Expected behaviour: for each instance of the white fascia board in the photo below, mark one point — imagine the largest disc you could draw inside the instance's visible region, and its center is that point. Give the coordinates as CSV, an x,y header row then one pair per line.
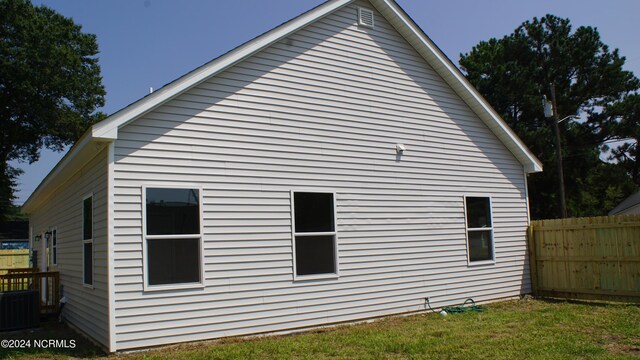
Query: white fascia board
x,y
108,128
68,165
450,73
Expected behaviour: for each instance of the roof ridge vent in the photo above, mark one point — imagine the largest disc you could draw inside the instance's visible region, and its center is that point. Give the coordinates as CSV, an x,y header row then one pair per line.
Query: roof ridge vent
x,y
365,17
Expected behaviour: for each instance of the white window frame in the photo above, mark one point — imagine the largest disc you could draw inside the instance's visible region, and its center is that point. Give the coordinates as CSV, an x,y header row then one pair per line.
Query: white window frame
x,y
467,229
54,244
89,241
146,238
294,234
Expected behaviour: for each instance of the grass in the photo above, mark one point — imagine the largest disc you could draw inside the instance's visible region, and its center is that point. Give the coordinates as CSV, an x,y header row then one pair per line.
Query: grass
x,y
50,329
531,329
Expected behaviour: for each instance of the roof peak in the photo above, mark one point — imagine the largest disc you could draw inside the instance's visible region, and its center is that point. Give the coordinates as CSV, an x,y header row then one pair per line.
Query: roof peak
x,y
107,130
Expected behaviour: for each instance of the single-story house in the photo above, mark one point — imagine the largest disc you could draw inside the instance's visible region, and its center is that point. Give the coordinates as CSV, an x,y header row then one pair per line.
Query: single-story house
x,y
630,205
336,168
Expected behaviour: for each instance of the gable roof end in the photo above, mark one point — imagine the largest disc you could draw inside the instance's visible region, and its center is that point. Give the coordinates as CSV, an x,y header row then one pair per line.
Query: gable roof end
x,y
454,77
107,129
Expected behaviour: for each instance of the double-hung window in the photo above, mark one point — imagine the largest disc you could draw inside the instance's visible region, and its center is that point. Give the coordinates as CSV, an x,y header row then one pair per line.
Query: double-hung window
x,y
172,237
54,246
479,228
87,240
314,234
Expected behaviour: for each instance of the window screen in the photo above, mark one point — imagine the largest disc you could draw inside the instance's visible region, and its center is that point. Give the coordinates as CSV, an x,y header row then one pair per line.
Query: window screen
x,y
173,261
480,245
315,236
173,236
315,255
479,228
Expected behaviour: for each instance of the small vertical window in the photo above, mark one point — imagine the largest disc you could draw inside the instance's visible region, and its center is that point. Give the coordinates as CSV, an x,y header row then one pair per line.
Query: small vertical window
x,y
314,232
87,254
87,218
47,249
172,236
479,228
87,240
54,246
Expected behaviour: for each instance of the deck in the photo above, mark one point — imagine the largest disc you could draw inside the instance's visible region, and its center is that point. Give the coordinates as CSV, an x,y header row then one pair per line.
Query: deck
x,y
47,283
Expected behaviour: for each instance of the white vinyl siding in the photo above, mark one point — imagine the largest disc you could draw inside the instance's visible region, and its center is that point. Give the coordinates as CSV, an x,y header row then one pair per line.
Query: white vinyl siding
x,y
86,306
320,111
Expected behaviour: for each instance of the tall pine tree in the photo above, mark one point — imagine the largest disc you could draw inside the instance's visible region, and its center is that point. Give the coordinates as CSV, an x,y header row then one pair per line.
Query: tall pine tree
x,y
515,72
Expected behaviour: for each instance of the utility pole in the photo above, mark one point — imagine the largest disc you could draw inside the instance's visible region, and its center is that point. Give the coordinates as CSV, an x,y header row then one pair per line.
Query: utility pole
x,y
556,126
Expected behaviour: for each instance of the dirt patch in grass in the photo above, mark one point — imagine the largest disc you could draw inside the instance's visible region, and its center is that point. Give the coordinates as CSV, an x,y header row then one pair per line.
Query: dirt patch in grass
x,y
619,345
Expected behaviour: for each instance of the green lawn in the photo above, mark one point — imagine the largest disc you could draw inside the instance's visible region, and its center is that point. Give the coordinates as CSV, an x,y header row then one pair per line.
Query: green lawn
x,y
509,330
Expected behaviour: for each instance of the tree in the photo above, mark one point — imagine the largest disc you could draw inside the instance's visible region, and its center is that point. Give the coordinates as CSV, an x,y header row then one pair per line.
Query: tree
x,y
50,86
625,127
513,74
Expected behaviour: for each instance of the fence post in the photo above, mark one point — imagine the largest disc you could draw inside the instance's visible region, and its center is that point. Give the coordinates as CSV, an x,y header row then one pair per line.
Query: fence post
x,y
533,263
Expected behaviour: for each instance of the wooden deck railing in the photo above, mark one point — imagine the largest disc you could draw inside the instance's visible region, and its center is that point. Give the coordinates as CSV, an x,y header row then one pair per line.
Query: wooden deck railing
x,y
22,270
46,283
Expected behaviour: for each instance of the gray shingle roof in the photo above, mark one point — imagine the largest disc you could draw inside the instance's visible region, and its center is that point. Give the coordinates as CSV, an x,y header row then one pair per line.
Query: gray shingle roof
x,y
629,202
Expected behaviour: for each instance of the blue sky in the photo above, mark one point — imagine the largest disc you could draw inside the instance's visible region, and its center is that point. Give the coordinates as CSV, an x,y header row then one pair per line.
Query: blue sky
x,y
149,43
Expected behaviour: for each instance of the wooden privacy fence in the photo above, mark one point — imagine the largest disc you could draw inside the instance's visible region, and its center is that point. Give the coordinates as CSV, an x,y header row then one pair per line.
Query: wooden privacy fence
x,y
10,258
46,283
588,258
